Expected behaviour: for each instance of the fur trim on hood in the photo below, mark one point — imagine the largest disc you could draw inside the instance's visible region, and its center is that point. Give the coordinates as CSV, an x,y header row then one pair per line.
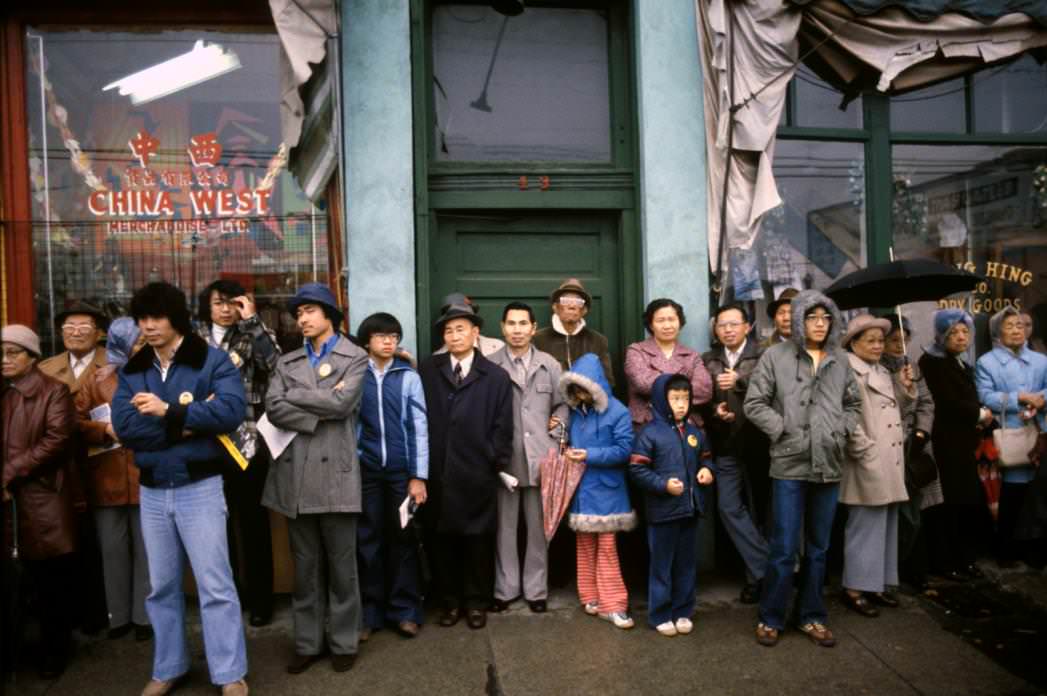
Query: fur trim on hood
x,y
602,524
804,302
587,373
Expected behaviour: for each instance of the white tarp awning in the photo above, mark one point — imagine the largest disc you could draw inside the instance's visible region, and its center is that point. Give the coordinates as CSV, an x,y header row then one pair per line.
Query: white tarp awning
x,y
900,52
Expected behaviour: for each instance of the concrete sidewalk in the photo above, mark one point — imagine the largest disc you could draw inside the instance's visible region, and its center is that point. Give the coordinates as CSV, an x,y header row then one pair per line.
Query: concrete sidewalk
x,y
905,651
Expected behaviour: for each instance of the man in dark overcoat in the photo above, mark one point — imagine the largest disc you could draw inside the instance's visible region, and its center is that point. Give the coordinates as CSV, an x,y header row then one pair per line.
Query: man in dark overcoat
x,y
470,404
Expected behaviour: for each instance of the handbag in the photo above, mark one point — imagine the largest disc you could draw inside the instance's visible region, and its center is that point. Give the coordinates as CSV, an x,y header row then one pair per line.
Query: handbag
x,y
1014,444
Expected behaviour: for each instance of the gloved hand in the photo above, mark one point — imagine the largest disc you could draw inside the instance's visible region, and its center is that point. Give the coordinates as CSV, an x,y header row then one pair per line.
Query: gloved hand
x,y
916,446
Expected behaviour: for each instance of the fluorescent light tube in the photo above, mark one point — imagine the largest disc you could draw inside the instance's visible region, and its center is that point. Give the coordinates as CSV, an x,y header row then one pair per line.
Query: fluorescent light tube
x,y
200,64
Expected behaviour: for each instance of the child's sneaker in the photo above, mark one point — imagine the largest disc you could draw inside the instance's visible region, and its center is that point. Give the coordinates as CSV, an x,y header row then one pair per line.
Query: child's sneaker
x,y
684,626
591,608
619,618
666,629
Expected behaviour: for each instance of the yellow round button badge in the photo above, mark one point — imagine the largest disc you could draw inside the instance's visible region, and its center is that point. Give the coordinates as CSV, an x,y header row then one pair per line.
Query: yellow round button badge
x,y
325,370
185,398
692,440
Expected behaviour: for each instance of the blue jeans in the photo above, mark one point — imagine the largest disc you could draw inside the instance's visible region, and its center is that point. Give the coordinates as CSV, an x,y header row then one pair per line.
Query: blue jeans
x,y
793,504
673,573
191,521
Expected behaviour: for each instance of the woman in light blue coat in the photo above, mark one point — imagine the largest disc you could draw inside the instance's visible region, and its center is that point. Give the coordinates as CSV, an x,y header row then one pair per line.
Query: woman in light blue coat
x,y
1012,383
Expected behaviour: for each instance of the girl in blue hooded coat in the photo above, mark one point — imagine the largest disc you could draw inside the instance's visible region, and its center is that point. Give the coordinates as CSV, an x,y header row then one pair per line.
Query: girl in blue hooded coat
x,y
670,461
601,435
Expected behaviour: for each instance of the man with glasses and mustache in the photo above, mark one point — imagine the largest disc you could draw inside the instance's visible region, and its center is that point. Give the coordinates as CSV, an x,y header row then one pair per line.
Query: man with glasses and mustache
x,y
804,397
568,338
82,327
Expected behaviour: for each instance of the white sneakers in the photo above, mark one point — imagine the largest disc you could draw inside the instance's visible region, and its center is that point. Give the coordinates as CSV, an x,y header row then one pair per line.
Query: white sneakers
x,y
590,608
619,618
681,627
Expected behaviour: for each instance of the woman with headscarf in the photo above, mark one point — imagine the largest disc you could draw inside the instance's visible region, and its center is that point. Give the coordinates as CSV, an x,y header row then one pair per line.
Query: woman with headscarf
x,y
873,483
112,489
953,527
1012,383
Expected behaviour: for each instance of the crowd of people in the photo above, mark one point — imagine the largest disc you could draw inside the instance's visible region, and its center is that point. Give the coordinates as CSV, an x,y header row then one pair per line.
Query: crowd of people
x,y
402,481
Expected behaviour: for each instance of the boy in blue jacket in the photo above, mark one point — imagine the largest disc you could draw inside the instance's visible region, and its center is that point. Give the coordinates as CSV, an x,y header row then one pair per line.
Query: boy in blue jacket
x,y
393,439
670,460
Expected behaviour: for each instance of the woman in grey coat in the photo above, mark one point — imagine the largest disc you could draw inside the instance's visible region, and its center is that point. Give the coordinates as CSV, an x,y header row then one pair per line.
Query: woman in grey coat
x,y
874,470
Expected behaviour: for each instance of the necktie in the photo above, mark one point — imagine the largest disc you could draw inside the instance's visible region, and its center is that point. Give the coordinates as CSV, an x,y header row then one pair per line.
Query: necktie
x,y
458,374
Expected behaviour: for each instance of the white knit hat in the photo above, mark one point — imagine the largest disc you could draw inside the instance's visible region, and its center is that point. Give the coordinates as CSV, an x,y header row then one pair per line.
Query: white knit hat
x,y
22,336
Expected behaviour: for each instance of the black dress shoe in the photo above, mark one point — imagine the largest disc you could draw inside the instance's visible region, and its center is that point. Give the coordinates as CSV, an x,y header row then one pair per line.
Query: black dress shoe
x,y
260,618
143,632
954,576
884,599
476,618
300,663
52,666
750,594
538,606
974,572
500,605
118,632
342,663
859,604
450,617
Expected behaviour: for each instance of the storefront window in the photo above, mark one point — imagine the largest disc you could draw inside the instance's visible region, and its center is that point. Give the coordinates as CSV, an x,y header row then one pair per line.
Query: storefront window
x,y
938,109
818,234
1012,99
531,87
176,173
818,104
983,208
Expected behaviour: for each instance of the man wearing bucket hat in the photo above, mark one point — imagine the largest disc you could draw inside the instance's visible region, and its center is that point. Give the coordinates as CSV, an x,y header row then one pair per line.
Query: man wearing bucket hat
x,y
470,403
568,337
37,423
315,482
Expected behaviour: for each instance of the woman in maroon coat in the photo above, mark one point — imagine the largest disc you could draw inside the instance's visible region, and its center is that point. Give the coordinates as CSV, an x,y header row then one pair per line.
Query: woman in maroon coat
x,y
38,423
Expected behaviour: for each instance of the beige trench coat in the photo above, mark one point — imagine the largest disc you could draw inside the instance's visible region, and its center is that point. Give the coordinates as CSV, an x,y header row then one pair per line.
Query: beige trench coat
x,y
874,466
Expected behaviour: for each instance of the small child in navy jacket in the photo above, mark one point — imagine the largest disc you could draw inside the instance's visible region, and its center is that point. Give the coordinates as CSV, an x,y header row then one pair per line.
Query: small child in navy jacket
x,y
670,460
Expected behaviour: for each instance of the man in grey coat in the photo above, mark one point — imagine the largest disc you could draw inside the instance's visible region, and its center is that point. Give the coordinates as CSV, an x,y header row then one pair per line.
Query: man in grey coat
x,y
804,397
538,408
315,482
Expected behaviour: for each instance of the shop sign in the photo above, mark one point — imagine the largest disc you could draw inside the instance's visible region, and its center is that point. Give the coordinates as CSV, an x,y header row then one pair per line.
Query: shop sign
x,y
149,199
979,301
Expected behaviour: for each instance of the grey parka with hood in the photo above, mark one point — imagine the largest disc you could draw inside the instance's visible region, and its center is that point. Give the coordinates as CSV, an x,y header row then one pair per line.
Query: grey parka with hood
x,y
808,416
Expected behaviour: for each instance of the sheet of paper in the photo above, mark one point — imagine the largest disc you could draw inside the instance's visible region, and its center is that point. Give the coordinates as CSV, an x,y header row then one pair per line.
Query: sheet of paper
x,y
102,414
406,512
276,438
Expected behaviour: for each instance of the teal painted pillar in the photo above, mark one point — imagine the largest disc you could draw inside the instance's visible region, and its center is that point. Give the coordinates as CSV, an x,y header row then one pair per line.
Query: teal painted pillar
x,y
378,172
672,175
672,160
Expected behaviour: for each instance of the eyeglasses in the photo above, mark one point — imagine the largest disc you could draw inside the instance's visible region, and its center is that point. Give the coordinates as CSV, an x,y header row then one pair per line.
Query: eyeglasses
x,y
570,301
818,319
395,338
78,329
12,353
729,324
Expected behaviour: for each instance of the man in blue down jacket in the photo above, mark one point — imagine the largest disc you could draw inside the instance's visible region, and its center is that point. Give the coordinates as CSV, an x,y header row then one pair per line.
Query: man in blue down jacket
x,y
173,399
804,396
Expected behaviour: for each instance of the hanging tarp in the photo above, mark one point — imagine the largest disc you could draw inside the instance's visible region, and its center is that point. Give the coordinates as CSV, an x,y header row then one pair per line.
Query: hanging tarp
x,y
308,80
890,50
929,10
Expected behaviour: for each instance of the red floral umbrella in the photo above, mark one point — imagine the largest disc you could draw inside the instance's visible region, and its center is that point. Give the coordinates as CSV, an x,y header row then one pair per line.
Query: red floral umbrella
x,y
560,477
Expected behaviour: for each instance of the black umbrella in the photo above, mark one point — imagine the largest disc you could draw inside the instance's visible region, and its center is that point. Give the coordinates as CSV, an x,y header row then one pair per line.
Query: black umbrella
x,y
899,282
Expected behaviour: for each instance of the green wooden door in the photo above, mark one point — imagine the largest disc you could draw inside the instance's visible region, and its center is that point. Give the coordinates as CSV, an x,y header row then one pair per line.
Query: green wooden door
x,y
496,257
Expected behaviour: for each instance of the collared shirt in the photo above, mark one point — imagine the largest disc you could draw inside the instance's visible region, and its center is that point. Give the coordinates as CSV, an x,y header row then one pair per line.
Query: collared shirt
x,y
325,349
466,363
80,364
158,364
379,372
733,356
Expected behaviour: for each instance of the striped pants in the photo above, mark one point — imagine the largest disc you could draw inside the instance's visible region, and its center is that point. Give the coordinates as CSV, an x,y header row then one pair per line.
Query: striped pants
x,y
599,576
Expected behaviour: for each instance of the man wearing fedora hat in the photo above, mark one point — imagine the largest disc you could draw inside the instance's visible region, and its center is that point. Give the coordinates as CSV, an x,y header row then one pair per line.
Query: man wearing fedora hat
x,y
470,404
487,345
568,337
82,326
780,314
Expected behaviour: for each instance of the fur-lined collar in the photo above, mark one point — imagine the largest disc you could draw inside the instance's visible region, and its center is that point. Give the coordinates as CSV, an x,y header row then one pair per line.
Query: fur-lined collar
x,y
192,352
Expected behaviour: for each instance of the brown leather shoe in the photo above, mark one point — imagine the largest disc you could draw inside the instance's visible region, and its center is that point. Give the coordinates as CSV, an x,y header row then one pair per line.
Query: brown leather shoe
x,y
408,629
766,636
236,688
156,687
450,616
342,663
300,663
476,618
820,634
859,604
